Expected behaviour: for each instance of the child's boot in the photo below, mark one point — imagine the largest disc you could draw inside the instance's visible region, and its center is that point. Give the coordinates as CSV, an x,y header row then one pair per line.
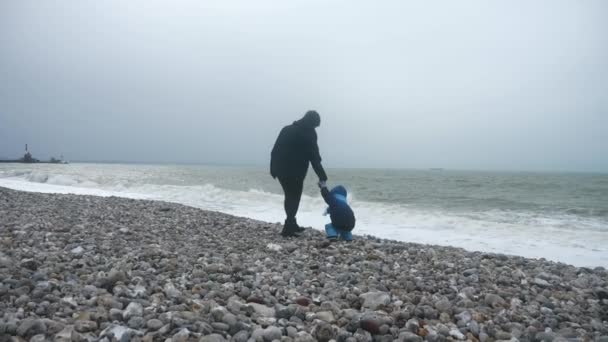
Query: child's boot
x,y
346,235
332,233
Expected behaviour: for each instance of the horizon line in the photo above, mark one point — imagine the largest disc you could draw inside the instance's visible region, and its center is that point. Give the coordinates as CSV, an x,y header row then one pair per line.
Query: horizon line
x,y
413,168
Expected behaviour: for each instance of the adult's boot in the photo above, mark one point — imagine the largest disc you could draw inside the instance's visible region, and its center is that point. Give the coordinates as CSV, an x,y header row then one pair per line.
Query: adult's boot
x,y
290,228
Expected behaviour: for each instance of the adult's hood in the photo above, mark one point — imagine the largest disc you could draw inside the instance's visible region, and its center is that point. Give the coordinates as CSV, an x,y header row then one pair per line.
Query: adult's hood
x,y
311,119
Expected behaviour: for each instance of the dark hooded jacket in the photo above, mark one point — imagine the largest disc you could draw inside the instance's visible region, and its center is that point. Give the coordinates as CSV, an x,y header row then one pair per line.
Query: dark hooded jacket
x,y
342,216
295,148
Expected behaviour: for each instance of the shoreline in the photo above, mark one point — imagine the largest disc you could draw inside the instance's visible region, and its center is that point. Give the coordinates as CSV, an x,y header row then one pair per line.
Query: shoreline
x,y
579,248
110,267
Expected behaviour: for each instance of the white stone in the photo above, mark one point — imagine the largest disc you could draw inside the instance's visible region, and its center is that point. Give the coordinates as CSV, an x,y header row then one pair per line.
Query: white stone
x,y
455,333
274,247
133,309
65,335
171,291
262,310
77,250
541,282
139,290
70,301
373,300
181,336
115,331
326,316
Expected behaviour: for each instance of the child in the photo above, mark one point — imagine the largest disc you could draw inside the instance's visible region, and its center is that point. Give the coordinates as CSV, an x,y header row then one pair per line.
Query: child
x,y
342,216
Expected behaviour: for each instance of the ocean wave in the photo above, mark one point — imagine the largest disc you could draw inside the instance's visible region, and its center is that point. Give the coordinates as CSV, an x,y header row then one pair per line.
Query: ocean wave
x,y
50,178
566,236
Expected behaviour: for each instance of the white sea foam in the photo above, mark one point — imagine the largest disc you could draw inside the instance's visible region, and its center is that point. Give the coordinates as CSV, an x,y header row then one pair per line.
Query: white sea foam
x,y
518,233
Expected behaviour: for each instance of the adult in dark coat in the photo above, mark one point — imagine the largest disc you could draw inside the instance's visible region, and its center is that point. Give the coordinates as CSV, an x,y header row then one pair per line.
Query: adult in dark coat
x,y
294,149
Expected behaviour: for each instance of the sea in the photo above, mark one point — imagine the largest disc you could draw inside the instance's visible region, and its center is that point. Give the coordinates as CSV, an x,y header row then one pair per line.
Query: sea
x,y
557,216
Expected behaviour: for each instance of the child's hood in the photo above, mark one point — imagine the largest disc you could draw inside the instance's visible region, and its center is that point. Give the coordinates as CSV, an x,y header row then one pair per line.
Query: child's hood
x,y
339,192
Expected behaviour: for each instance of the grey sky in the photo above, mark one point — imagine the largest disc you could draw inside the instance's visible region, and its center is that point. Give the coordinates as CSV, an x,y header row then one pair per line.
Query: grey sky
x,y
454,84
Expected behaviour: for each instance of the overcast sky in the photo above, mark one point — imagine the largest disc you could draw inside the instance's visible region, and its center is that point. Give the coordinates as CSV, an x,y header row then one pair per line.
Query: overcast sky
x,y
454,84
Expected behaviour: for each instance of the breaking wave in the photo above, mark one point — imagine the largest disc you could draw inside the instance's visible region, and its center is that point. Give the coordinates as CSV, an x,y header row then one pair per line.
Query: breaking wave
x,y
566,236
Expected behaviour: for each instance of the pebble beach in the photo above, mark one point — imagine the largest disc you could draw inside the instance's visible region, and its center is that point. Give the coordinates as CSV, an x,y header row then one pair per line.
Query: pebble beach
x,y
88,268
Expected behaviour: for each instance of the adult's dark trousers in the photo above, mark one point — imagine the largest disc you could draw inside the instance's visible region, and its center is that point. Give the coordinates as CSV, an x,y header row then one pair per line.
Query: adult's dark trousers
x,y
292,187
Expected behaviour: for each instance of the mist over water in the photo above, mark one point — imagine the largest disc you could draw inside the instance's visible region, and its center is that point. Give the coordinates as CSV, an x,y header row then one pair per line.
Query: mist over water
x,y
559,216
513,85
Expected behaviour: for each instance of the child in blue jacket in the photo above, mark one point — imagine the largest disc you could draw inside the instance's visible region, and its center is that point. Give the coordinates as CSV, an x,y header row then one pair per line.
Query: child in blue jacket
x,y
342,216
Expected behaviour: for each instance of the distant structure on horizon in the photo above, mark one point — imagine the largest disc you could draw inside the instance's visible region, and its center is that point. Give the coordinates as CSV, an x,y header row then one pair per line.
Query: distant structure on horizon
x,y
28,159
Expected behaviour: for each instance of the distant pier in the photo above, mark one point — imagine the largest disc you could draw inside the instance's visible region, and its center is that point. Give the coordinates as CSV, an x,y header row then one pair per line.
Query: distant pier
x,y
28,159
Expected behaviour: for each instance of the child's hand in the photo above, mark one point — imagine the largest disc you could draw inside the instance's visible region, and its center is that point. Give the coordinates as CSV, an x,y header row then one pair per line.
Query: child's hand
x,y
322,184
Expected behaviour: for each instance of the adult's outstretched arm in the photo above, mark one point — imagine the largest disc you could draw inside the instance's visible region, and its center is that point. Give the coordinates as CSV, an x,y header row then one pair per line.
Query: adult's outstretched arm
x,y
315,159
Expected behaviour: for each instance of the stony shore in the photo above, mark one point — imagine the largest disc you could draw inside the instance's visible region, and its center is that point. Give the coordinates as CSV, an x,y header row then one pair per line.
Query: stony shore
x,y
85,268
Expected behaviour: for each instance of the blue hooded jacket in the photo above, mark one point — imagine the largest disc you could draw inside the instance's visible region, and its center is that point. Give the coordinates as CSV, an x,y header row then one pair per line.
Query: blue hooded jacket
x,y
342,216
